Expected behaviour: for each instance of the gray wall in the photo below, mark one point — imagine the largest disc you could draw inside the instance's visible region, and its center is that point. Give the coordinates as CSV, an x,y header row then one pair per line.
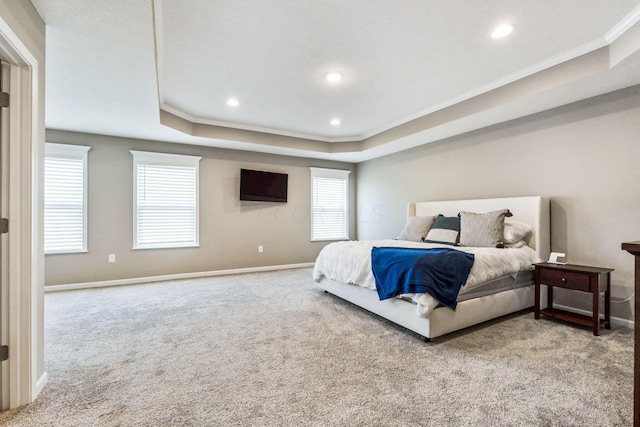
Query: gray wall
x,y
230,230
585,157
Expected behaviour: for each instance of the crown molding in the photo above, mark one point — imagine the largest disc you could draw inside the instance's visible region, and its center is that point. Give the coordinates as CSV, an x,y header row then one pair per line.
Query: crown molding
x,y
621,27
518,75
240,126
605,41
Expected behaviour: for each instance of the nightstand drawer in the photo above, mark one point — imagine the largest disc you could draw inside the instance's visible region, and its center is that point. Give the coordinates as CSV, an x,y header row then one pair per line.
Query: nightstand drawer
x,y
565,279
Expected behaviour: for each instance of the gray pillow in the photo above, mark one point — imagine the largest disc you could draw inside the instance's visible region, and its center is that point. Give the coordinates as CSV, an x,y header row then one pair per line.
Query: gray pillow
x,y
416,228
482,230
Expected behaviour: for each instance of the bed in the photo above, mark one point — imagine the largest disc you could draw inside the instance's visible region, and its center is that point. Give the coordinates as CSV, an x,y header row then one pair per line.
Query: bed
x,y
470,310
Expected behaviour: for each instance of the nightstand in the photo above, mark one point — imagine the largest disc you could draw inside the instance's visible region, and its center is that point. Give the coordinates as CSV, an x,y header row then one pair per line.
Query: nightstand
x,y
578,278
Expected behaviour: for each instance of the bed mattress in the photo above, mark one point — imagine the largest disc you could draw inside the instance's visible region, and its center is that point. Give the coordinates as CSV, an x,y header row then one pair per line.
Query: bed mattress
x,y
504,283
494,270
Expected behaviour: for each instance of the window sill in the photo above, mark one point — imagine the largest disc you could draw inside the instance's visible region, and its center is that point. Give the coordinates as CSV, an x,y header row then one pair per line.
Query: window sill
x,y
83,251
144,248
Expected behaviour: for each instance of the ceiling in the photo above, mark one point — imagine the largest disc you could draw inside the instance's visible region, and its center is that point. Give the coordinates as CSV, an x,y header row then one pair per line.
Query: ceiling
x,y
412,74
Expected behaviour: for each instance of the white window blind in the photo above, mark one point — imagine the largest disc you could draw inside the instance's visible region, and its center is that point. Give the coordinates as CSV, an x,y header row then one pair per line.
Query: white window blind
x,y
65,198
165,200
329,204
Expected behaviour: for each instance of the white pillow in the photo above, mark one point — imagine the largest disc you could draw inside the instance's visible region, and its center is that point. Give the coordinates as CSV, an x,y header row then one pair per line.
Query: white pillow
x,y
416,228
515,231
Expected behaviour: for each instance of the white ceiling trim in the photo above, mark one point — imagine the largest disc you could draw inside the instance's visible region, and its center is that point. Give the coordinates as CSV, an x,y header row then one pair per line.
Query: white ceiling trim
x,y
202,121
605,41
496,84
159,57
156,16
621,27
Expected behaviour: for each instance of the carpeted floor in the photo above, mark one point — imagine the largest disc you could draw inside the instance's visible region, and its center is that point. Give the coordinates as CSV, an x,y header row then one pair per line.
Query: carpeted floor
x,y
270,349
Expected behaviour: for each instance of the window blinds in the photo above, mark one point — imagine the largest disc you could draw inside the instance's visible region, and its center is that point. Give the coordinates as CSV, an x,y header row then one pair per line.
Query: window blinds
x,y
329,204
166,201
65,198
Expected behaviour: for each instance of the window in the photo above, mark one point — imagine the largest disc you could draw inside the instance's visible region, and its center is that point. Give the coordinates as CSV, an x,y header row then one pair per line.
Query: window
x,y
65,198
329,204
165,198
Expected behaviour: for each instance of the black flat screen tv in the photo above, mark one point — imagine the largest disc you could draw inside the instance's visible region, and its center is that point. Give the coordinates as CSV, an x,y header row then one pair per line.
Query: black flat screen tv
x,y
261,186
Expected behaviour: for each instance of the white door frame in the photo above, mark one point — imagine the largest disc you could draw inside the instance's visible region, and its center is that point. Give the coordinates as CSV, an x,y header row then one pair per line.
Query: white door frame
x,y
23,262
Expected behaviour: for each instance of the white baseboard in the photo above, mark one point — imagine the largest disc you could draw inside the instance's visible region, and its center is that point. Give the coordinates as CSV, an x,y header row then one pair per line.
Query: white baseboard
x,y
139,280
614,320
42,381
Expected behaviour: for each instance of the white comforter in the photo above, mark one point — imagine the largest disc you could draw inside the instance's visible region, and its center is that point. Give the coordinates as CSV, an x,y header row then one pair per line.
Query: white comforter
x,y
350,262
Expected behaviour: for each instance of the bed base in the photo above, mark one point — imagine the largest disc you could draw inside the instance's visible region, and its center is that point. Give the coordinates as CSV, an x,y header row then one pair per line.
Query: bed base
x,y
531,210
442,320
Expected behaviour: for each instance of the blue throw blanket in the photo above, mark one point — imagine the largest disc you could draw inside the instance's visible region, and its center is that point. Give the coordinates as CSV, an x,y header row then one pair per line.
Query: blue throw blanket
x,y
439,272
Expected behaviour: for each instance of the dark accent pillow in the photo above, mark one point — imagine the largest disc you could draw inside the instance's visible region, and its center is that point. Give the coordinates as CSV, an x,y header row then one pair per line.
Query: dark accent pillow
x,y
445,229
416,228
483,230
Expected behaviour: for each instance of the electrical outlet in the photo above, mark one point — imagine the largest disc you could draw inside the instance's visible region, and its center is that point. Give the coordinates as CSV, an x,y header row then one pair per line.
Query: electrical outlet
x,y
260,249
112,257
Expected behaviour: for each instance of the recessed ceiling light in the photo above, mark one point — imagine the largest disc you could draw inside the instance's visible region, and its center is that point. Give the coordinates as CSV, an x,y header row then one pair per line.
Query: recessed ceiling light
x,y
502,31
335,122
334,77
232,102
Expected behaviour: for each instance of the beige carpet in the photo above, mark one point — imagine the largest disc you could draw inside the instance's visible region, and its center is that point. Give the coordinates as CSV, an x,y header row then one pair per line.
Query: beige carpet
x,y
270,349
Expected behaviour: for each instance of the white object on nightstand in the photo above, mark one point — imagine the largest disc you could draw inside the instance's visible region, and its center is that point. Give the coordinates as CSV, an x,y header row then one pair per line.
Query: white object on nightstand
x,y
553,258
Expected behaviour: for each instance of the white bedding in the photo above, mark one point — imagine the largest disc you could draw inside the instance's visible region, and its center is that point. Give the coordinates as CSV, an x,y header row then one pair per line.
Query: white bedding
x,y
350,262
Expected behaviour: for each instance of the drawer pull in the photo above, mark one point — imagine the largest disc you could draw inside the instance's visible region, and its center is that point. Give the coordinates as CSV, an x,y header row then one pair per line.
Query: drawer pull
x,y
564,280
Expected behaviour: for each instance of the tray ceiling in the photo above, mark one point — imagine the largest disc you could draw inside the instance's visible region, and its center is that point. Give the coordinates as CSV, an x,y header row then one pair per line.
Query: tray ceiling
x,y
410,75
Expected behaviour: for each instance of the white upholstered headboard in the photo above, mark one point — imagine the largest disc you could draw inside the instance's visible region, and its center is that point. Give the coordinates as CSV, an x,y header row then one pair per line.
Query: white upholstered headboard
x,y
531,210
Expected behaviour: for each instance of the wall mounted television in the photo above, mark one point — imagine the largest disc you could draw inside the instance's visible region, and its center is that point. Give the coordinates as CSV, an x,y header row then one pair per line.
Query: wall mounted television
x,y
259,186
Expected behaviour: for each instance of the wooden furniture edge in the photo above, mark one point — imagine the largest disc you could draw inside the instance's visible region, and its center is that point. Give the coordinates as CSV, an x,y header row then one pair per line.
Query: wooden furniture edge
x,y
634,249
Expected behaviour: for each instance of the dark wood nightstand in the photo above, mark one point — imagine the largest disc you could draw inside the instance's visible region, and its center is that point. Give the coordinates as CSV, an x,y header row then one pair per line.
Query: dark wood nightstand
x,y
578,278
